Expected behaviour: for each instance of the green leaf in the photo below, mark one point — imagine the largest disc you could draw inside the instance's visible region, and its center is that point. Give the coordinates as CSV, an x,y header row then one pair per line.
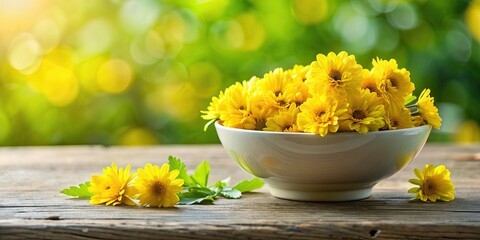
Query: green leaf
x,y
176,163
200,176
194,195
80,192
222,183
409,100
231,193
249,185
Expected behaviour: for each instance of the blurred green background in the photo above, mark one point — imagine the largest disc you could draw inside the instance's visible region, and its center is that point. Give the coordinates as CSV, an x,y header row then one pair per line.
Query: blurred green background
x,y
138,72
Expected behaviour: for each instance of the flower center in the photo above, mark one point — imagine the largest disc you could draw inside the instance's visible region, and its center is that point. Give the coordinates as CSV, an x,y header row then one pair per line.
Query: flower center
x,y
158,188
260,125
429,187
335,74
358,114
277,93
393,82
107,187
321,113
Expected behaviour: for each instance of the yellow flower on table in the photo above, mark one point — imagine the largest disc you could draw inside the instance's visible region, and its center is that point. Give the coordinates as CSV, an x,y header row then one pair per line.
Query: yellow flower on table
x,y
157,187
113,187
321,115
394,84
365,113
433,184
427,109
334,74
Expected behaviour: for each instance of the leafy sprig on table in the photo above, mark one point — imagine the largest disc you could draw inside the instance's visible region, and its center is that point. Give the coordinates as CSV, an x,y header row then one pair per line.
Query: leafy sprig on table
x,y
195,189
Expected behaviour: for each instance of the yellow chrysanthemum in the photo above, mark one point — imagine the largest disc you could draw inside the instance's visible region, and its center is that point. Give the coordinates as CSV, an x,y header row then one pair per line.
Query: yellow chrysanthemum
x,y
418,121
113,187
365,113
427,109
299,72
433,184
279,90
260,112
283,121
398,117
393,83
234,109
370,82
212,110
157,187
336,74
320,115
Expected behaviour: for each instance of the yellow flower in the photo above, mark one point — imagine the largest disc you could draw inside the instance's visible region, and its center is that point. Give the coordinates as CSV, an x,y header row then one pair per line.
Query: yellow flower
x,y
393,83
427,109
113,187
365,113
398,117
279,90
234,109
157,187
260,112
433,184
299,72
284,121
212,113
336,74
320,115
370,82
418,121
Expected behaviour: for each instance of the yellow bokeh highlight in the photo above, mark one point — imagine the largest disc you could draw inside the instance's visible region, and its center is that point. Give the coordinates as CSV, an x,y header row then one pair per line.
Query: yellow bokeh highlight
x,y
25,53
179,101
87,73
55,78
114,76
211,9
309,11
468,132
138,137
472,19
253,31
205,76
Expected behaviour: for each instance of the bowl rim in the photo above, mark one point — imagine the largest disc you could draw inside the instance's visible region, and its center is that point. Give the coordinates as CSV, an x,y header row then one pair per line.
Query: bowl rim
x,y
404,130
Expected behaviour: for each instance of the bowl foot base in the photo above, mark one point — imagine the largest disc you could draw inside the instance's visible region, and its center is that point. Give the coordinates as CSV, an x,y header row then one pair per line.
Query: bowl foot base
x,y
323,196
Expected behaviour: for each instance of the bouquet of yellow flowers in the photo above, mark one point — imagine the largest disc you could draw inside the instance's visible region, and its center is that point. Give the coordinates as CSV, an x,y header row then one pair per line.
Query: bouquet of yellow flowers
x,y
332,94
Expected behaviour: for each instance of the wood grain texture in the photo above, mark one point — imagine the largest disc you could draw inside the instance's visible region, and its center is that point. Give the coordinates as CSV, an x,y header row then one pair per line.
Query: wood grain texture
x,y
32,207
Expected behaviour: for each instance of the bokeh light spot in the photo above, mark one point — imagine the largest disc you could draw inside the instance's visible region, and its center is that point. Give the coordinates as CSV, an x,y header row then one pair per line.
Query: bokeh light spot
x,y
48,34
95,37
309,11
253,32
114,76
24,52
404,16
55,78
137,137
138,16
472,19
460,46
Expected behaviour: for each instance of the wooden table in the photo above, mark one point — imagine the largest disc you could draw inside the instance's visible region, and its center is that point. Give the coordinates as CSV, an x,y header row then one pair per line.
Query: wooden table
x,y
32,207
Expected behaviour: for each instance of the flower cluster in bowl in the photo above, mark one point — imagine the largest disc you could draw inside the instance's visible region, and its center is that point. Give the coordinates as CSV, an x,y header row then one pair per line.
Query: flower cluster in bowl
x,y
332,94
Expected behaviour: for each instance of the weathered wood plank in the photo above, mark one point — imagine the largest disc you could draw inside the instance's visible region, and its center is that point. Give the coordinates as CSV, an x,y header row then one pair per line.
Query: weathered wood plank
x,y
31,207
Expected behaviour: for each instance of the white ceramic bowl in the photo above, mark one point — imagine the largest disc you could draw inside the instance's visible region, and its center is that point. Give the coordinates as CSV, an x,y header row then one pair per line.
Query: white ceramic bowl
x,y
308,167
